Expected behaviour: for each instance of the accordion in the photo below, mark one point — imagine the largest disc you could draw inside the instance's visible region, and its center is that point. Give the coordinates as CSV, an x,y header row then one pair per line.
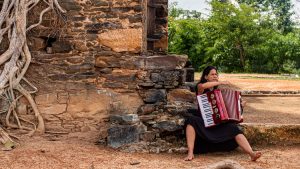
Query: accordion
x,y
219,106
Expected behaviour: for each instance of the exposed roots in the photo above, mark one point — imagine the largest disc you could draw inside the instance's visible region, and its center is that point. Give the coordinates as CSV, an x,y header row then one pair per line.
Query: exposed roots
x,y
14,62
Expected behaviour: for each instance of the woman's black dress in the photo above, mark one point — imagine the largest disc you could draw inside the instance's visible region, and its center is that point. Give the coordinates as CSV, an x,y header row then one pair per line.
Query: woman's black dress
x,y
212,139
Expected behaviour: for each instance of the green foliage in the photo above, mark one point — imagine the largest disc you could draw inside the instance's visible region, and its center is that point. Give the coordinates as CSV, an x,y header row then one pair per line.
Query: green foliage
x,y
185,38
235,39
281,9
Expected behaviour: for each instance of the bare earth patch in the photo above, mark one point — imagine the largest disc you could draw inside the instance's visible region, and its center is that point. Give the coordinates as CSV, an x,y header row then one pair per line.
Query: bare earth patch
x,y
80,152
279,110
40,153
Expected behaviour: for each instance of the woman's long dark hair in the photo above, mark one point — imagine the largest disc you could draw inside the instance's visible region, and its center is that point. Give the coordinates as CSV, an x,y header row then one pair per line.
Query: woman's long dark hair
x,y
205,73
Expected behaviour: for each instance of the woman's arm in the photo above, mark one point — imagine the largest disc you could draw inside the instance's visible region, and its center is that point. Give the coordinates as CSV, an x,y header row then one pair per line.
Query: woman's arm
x,y
207,85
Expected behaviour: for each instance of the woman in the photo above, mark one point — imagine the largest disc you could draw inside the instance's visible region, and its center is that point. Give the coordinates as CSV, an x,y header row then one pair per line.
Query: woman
x,y
223,137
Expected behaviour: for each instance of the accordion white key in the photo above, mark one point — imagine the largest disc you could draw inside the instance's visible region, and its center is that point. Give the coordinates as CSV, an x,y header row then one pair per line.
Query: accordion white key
x,y
219,106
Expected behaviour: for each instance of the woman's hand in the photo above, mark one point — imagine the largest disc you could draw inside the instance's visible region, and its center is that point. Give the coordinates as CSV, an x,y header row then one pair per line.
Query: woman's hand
x,y
224,83
243,103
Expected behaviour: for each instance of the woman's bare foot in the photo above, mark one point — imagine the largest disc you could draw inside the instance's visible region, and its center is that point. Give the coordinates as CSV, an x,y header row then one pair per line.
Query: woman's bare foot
x,y
255,156
189,157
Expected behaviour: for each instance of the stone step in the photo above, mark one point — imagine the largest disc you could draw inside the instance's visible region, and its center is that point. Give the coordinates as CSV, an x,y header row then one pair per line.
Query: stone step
x,y
271,95
272,134
282,128
279,92
258,135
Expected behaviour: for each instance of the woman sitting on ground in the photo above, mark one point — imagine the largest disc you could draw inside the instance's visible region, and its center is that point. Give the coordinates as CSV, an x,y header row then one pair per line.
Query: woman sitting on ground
x,y
223,137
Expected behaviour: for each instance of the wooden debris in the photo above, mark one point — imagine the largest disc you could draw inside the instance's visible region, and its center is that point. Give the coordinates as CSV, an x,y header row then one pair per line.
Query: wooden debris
x,y
5,139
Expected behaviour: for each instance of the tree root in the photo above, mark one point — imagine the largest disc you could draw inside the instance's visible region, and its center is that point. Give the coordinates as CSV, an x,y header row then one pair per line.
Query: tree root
x,y
15,61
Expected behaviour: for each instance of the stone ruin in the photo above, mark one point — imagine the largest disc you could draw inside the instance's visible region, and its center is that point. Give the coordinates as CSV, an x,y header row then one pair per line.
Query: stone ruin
x,y
106,72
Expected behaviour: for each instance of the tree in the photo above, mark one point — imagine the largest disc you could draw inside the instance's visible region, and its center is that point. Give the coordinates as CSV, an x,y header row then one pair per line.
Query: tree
x,y
16,58
179,13
236,38
187,37
184,33
281,9
231,30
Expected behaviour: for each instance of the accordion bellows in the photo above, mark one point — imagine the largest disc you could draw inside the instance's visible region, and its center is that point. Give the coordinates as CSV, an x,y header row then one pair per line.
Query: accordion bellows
x,y
219,106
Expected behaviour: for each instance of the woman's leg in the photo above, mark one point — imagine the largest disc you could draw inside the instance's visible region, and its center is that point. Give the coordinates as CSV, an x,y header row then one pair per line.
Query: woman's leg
x,y
190,139
244,144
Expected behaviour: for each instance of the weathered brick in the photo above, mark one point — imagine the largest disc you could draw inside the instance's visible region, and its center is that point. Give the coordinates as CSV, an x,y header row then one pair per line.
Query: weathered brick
x,y
99,3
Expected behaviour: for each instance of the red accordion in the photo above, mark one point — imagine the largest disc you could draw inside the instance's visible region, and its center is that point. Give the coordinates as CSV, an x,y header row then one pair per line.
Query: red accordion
x,y
220,106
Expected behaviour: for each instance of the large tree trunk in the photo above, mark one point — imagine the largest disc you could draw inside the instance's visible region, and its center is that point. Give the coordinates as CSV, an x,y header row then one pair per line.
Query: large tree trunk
x,y
241,50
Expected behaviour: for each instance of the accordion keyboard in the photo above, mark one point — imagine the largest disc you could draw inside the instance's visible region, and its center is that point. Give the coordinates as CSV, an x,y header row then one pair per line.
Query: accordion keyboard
x,y
207,110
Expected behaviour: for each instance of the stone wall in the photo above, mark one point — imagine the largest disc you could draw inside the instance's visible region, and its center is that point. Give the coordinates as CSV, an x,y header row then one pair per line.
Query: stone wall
x,y
83,67
160,118
102,72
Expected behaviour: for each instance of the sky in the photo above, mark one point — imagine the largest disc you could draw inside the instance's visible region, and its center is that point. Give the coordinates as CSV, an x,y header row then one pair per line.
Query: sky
x,y
202,6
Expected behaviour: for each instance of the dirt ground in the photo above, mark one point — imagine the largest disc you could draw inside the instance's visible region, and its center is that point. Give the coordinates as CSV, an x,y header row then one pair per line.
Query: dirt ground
x,y
263,82
41,153
81,152
279,110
